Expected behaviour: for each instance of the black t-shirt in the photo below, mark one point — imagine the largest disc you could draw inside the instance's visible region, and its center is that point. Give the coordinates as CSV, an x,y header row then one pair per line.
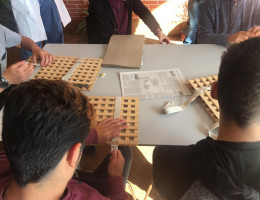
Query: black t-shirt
x,y
229,169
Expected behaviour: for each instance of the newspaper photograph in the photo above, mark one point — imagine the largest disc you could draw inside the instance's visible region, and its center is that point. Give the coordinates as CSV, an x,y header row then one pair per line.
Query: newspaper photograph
x,y
153,84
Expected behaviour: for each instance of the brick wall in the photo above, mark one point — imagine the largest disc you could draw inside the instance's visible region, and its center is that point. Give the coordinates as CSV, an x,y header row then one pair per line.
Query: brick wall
x,y
169,13
151,5
75,6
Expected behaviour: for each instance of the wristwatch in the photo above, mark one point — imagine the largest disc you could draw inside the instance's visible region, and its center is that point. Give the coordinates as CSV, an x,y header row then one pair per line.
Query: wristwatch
x,y
4,83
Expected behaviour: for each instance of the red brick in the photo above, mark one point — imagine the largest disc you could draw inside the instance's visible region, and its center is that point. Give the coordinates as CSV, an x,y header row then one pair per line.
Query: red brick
x,y
74,14
72,10
150,2
71,6
161,2
77,2
82,6
152,7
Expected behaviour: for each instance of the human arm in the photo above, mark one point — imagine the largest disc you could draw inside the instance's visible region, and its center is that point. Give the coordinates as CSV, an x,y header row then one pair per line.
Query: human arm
x,y
255,31
105,131
115,183
162,37
144,13
239,37
37,52
18,72
14,39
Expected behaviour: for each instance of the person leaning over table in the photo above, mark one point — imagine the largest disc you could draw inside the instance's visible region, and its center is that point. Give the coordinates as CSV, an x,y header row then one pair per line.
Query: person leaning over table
x,y
46,124
229,166
108,17
225,22
19,71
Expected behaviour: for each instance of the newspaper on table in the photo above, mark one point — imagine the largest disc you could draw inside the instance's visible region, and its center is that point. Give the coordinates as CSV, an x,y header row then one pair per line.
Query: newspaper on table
x,y
153,84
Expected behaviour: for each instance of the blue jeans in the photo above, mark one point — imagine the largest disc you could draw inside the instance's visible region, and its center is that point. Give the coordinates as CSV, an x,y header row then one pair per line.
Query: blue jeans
x,y
193,22
52,24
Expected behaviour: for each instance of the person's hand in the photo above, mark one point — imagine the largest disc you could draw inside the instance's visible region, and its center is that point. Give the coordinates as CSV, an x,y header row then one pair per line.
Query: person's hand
x,y
109,128
45,57
239,37
18,72
162,37
116,163
255,31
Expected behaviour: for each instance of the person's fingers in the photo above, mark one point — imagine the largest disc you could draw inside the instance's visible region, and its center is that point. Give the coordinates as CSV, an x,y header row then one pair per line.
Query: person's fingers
x,y
42,60
113,155
257,32
51,59
251,30
29,66
120,156
47,59
34,57
161,40
119,127
28,69
160,37
114,134
116,122
18,64
242,36
246,33
107,119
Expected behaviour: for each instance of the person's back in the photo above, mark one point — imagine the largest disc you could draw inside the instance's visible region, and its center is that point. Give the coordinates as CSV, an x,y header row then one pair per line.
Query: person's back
x,y
228,166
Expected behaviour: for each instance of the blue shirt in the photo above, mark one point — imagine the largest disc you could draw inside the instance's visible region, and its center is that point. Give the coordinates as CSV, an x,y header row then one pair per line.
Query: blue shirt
x,y
220,18
8,39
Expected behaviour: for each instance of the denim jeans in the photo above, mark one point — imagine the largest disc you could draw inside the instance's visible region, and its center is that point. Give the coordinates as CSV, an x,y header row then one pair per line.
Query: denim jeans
x,y
52,24
193,22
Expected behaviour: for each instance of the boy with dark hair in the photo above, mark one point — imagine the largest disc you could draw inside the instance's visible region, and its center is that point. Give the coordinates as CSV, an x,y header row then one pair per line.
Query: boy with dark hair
x,y
228,166
45,126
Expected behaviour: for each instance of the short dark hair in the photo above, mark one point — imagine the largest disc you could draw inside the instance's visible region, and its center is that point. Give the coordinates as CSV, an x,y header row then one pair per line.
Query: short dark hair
x,y
239,83
42,120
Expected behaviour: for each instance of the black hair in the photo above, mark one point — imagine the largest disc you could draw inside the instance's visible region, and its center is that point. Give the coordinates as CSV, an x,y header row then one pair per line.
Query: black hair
x,y
239,83
42,120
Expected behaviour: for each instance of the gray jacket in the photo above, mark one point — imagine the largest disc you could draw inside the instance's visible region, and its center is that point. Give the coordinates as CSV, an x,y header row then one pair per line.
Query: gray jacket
x,y
220,18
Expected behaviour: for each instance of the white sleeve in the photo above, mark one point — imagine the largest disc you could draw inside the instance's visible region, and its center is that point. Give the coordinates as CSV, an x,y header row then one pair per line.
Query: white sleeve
x,y
64,14
28,19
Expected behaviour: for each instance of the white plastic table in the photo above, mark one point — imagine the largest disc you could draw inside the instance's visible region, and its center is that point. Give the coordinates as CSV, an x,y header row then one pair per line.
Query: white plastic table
x,y
183,128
